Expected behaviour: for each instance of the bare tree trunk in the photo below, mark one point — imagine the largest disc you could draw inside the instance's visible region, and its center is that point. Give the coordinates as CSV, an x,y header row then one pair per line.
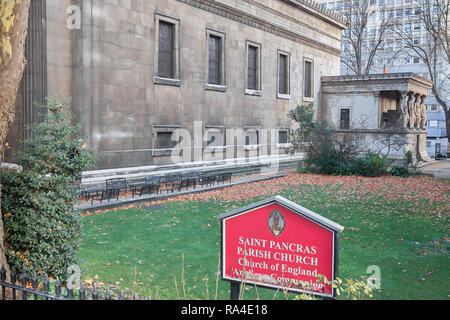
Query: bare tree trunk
x,y
447,123
11,71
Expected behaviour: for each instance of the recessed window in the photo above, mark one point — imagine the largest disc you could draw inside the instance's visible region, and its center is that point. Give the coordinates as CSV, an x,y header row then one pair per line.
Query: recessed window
x,y
251,138
214,137
253,68
164,140
167,55
216,61
308,80
283,138
345,119
283,74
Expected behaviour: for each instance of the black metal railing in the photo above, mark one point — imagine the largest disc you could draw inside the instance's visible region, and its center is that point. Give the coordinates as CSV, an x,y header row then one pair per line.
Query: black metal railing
x,y
23,287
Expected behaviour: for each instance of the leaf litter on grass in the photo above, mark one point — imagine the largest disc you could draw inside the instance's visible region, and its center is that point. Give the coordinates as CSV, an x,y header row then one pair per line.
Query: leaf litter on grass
x,y
387,189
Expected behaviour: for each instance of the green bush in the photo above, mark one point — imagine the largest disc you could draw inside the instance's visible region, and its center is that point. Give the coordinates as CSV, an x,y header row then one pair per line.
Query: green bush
x,y
330,153
303,116
346,170
370,166
322,156
42,229
400,172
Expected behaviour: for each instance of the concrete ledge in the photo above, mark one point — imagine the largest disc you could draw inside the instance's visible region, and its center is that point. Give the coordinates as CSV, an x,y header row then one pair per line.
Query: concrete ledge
x,y
124,202
236,166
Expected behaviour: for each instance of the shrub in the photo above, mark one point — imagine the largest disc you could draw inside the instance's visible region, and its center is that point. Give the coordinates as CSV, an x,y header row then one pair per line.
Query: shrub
x,y
370,166
42,229
331,153
303,116
400,172
321,155
346,170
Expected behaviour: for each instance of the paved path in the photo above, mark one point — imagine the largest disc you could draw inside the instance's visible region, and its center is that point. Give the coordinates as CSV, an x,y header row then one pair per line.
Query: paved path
x,y
440,169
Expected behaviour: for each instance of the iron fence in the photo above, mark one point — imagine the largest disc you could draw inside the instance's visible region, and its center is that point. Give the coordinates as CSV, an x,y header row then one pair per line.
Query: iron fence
x,y
23,287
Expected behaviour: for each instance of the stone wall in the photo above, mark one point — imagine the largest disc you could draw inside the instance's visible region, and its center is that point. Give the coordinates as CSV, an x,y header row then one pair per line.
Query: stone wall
x,y
107,66
377,106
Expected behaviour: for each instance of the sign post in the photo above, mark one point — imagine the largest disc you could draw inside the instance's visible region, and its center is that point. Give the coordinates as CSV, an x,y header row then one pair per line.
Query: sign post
x,y
278,244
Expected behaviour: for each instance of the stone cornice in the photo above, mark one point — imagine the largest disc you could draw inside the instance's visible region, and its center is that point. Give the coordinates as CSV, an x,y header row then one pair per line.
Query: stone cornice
x,y
381,131
380,78
290,18
391,81
316,9
252,21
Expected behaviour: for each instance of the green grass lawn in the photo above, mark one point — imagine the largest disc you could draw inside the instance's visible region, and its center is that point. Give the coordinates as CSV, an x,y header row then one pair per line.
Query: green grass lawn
x,y
407,237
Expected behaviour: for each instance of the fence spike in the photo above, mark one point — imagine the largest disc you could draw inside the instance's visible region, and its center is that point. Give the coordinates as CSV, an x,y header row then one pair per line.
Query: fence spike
x,y
35,284
121,295
24,269
13,278
24,281
35,281
94,293
46,283
24,276
3,273
13,275
69,294
57,287
82,292
108,294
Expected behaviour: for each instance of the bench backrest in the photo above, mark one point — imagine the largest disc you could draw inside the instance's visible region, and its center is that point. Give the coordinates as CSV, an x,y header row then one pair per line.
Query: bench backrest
x,y
118,183
152,180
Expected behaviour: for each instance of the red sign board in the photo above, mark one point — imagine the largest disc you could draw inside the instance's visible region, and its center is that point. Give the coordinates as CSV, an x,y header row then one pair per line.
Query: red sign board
x,y
278,244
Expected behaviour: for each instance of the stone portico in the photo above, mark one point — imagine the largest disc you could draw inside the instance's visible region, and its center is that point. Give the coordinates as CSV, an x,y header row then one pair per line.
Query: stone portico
x,y
386,111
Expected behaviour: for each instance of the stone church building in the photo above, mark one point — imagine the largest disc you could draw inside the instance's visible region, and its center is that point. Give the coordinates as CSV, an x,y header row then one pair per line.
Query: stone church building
x,y
163,82
138,70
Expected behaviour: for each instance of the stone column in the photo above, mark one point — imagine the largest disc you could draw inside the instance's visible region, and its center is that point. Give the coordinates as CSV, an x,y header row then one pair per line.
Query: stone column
x,y
33,90
418,112
411,110
377,103
423,110
404,112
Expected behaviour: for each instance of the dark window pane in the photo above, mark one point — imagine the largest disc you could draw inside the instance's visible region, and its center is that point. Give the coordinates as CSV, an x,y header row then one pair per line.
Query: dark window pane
x,y
166,55
215,138
252,82
283,75
345,119
308,79
164,140
215,57
283,137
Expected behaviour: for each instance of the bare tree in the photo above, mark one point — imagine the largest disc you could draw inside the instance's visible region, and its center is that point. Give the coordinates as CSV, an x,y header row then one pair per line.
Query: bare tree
x,y
434,49
364,44
13,31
